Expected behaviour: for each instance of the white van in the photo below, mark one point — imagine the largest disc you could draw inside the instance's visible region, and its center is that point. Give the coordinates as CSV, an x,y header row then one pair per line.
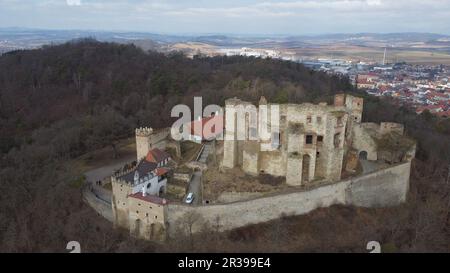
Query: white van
x,y
189,198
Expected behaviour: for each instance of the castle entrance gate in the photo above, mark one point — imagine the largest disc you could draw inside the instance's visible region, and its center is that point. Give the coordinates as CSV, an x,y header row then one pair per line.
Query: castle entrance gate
x,y
363,155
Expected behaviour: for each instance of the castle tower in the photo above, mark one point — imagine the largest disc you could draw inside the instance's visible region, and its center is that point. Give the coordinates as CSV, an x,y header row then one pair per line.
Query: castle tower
x,y
148,139
230,143
143,142
294,157
355,105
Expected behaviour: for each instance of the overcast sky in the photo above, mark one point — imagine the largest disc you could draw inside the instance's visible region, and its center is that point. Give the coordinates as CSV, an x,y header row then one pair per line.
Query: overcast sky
x,y
231,16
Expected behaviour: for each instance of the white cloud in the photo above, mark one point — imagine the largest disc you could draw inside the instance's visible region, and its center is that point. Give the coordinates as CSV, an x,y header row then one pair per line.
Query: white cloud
x,y
244,12
74,2
231,15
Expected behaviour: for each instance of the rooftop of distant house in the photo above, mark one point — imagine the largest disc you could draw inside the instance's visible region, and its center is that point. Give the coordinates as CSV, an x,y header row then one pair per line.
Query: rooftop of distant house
x,y
444,114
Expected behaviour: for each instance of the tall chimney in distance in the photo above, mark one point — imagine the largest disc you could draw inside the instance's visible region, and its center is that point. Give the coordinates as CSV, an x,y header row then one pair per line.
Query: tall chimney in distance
x,y
144,192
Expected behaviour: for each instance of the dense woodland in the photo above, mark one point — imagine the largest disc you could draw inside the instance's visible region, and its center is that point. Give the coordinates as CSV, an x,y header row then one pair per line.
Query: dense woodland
x,y
59,102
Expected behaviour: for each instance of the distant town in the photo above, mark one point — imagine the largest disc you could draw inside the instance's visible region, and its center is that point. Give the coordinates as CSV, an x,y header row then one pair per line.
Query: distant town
x,y
419,86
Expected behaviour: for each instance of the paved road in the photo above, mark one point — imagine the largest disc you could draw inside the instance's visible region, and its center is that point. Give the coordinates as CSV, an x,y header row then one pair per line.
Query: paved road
x,y
195,186
205,153
105,171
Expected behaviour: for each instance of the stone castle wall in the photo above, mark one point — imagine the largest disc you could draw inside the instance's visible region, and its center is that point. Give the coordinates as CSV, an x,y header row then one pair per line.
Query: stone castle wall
x,y
101,206
363,141
386,187
391,127
146,220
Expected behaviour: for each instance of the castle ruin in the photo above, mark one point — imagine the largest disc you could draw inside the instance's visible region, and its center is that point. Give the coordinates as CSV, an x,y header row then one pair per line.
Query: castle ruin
x,y
316,142
313,143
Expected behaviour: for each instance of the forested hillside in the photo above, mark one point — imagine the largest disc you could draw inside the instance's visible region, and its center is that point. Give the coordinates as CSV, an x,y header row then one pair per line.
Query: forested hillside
x,y
101,82
59,102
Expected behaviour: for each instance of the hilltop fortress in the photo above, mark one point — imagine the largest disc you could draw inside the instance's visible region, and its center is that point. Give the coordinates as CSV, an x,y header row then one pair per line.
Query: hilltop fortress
x,y
326,154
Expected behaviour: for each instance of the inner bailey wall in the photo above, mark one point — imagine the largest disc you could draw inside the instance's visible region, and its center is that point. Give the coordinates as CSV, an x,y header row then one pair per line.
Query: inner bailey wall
x,y
363,141
386,187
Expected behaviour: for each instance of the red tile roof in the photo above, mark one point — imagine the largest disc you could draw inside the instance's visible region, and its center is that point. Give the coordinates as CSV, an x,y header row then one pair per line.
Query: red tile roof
x,y
363,81
149,198
161,171
384,88
444,114
156,156
207,128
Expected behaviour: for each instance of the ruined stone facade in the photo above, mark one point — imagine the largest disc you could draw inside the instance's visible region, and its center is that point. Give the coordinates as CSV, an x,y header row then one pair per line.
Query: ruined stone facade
x,y
313,144
365,136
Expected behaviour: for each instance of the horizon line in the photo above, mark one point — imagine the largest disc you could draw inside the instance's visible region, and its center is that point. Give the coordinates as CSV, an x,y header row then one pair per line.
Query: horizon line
x,y
216,33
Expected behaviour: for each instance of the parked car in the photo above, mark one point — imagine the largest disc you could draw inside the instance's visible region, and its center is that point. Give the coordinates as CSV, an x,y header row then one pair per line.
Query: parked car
x,y
189,198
